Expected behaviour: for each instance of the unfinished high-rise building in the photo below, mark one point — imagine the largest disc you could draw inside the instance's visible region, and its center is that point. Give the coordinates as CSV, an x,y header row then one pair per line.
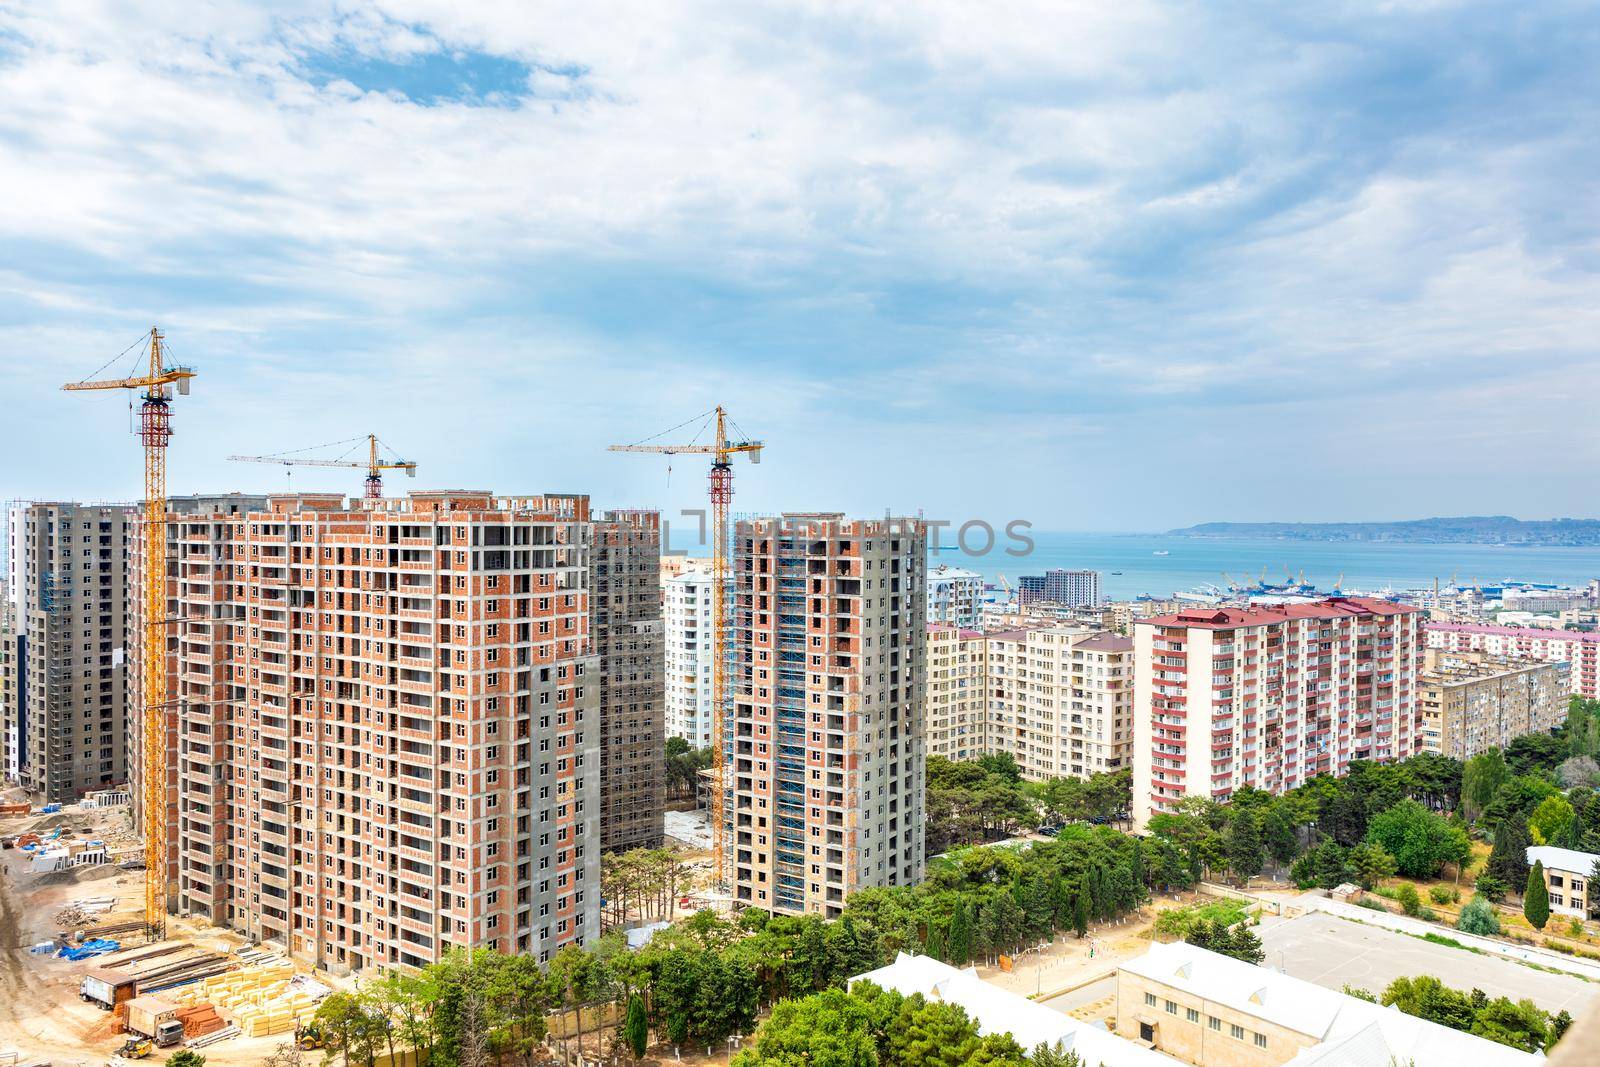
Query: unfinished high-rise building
x,y
825,741
386,739
65,686
625,599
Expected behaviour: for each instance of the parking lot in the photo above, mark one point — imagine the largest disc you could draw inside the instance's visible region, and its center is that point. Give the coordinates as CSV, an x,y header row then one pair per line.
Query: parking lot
x,y
1334,952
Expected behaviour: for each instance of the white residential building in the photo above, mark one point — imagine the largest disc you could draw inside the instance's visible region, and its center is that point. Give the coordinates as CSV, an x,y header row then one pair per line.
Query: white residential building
x,y
690,654
956,692
955,596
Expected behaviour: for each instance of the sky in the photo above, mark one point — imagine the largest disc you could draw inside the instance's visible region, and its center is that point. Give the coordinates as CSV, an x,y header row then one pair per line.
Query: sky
x,y
1096,266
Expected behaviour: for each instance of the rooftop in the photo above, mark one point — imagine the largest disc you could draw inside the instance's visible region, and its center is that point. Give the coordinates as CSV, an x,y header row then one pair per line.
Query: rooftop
x,y
1563,859
1264,615
1535,632
1347,1030
998,1011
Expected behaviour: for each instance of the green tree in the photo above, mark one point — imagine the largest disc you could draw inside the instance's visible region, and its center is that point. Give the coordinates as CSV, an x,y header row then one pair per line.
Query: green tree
x,y
1536,900
1371,863
636,1028
1080,912
1420,841
186,1057
1244,849
1482,777
1508,859
961,935
1479,917
1551,821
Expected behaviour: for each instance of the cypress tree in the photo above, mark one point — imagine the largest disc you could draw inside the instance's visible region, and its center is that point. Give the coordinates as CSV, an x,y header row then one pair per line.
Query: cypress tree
x,y
960,936
1536,901
636,1028
1080,916
935,946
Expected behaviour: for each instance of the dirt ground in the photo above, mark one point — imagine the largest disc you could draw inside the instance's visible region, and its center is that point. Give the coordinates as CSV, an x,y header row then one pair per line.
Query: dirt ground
x,y
41,1014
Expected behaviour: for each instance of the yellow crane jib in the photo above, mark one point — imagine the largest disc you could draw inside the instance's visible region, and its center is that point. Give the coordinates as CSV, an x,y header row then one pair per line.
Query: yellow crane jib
x,y
721,450
155,430
374,465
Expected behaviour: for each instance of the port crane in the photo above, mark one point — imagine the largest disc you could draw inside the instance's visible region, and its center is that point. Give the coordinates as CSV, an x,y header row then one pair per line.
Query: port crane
x,y
374,466
721,450
155,429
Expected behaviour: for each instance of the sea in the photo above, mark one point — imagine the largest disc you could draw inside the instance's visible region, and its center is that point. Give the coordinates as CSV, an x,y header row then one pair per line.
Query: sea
x,y
1160,564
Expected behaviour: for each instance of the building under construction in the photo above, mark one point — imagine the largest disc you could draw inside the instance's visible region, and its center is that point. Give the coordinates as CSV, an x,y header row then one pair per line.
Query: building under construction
x,y
828,688
386,738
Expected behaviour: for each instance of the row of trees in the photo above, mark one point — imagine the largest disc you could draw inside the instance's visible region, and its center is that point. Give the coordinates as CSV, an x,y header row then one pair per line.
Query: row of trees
x,y
1521,1024
643,883
984,800
682,768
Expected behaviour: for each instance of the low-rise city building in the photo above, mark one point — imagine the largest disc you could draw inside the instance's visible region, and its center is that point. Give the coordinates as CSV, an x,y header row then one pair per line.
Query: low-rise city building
x,y
1568,877
1212,1010
1472,701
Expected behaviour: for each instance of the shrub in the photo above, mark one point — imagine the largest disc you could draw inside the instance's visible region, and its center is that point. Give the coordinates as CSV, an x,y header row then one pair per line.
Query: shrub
x,y
1444,894
1409,901
1370,904
1427,914
1492,888
1479,917
1574,927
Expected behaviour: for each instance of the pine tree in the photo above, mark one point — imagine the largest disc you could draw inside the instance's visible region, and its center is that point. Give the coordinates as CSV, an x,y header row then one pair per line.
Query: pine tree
x,y
935,945
1509,859
1536,901
1080,915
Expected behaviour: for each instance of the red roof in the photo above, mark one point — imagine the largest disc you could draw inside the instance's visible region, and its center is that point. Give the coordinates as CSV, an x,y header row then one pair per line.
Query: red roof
x,y
1267,614
1532,632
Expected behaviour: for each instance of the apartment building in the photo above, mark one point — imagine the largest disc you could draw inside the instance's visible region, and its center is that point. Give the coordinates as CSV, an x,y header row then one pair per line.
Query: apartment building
x,y
955,596
826,745
1005,725
1270,696
1580,649
387,742
957,676
1073,589
65,684
1061,700
690,652
1472,701
625,604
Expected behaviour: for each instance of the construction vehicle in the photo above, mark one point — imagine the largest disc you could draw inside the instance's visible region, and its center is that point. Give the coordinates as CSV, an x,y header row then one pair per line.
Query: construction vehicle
x,y
309,1037
156,1019
108,987
374,466
721,450
155,430
136,1048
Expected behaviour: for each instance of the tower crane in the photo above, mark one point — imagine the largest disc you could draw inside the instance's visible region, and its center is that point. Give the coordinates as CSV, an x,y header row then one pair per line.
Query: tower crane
x,y
155,429
374,468
721,450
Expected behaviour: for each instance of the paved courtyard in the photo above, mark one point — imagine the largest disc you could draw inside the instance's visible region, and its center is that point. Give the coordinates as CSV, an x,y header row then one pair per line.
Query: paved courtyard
x,y
1333,952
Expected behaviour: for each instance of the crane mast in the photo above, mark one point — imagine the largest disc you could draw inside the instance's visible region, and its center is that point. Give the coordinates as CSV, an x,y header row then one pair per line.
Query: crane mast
x,y
155,430
721,450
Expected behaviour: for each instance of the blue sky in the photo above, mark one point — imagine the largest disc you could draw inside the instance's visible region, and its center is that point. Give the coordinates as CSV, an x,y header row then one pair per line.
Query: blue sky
x,y
1099,266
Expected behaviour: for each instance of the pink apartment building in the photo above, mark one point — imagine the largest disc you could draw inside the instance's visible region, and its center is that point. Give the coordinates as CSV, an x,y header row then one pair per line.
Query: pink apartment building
x,y
1270,696
1582,650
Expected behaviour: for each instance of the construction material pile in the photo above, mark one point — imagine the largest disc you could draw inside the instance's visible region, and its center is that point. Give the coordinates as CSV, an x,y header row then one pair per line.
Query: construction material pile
x,y
167,965
263,999
199,1020
93,947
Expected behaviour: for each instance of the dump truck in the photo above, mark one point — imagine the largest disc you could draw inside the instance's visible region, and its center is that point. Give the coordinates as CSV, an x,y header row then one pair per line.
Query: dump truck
x,y
107,987
156,1019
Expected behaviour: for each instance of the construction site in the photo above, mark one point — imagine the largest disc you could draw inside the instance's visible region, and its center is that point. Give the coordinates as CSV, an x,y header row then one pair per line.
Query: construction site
x,y
81,979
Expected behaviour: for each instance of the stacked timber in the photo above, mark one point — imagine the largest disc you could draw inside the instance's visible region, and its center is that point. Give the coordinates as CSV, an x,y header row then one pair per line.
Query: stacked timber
x,y
262,1000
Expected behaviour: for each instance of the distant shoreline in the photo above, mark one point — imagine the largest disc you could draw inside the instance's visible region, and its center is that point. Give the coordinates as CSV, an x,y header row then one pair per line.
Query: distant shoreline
x,y
1490,531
